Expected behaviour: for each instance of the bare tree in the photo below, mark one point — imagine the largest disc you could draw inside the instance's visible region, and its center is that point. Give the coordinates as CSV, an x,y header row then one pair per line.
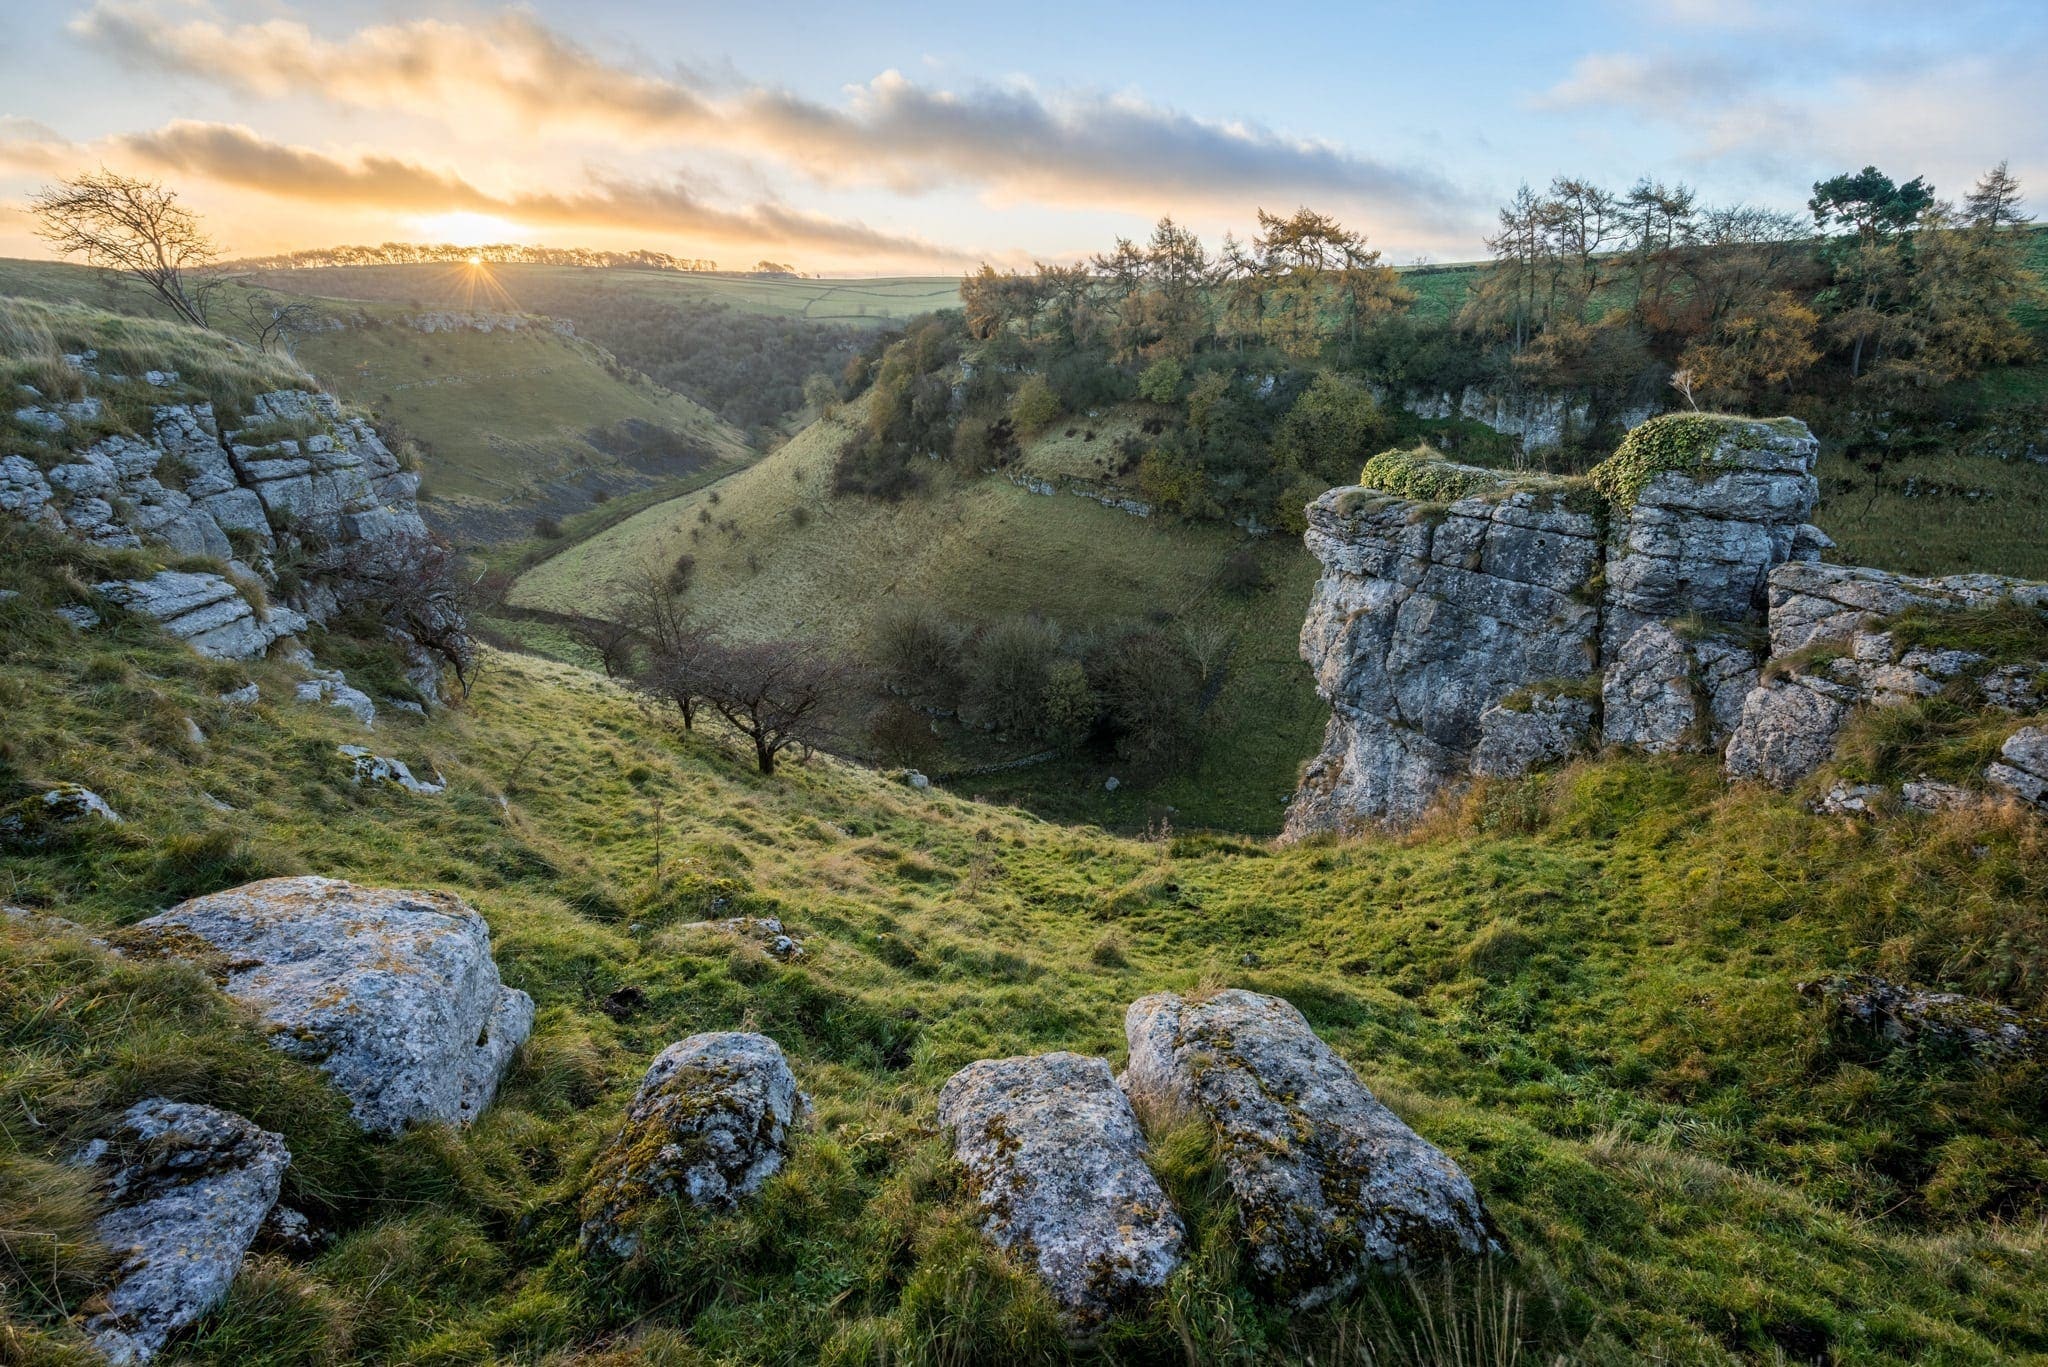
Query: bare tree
x,y
272,319
682,672
774,693
134,227
417,586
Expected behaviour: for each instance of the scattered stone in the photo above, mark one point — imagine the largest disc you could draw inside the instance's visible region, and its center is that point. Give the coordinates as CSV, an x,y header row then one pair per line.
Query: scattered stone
x,y
1111,784
766,929
336,692
193,735
917,780
1850,799
2022,765
382,769
709,1124
34,821
245,696
1056,1162
77,616
1932,795
1328,1181
394,994
160,379
187,1187
1907,1015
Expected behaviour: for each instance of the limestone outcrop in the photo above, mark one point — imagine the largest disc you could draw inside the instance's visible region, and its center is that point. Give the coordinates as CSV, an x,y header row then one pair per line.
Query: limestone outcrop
x,y
1056,1162
187,1187
1474,623
1328,1182
393,994
710,1123
300,478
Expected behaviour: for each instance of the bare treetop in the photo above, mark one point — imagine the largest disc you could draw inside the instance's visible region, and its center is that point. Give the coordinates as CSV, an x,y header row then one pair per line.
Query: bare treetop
x,y
136,227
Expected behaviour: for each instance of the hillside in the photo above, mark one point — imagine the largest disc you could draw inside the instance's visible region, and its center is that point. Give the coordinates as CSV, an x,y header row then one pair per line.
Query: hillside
x,y
506,426
778,555
1581,985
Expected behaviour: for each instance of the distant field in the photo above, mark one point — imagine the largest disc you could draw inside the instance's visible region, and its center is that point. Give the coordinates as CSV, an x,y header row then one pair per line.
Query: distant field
x,y
501,286
985,549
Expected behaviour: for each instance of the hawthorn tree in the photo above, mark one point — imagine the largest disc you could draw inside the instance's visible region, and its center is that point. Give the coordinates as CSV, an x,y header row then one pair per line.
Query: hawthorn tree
x,y
132,227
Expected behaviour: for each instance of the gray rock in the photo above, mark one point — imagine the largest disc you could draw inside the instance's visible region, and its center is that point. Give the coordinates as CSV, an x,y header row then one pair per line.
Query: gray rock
x,y
382,769
34,821
1903,1015
767,930
187,1187
1850,799
206,611
917,780
1933,795
334,691
709,1125
1517,741
1329,1183
1814,604
245,696
1787,730
394,994
2022,765
25,491
1056,1163
77,616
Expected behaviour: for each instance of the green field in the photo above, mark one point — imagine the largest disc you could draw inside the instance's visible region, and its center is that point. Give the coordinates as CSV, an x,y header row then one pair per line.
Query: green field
x,y
864,300
778,555
1581,986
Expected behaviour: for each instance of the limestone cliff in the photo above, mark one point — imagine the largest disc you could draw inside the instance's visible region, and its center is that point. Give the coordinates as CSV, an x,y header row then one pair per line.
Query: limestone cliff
x,y
276,500
1471,622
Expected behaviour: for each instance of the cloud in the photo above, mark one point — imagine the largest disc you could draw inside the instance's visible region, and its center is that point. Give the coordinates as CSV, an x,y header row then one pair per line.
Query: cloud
x,y
1660,84
1094,149
238,157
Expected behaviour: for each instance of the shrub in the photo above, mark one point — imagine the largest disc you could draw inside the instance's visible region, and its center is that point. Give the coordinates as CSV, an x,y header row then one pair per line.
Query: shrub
x,y
917,648
1242,573
1067,708
1329,425
1162,380
683,573
1033,406
1150,684
547,528
1008,670
901,734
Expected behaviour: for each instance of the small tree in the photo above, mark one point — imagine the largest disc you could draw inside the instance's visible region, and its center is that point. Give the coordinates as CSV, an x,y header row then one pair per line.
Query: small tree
x,y
1007,673
132,227
1034,405
612,639
677,650
417,585
274,321
682,672
774,693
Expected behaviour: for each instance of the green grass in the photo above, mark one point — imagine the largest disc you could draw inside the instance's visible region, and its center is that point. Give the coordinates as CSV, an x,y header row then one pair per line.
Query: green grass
x,y
1580,985
852,301
1960,514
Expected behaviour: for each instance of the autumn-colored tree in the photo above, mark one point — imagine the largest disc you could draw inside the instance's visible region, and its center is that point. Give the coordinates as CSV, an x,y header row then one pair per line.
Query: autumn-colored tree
x,y
1950,311
1763,346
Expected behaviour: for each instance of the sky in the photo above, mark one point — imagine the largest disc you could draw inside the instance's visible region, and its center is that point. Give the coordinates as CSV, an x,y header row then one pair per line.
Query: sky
x,y
925,138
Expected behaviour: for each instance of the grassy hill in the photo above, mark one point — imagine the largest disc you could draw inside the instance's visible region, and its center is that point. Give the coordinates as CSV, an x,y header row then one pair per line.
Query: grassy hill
x,y
864,301
508,426
778,555
1581,986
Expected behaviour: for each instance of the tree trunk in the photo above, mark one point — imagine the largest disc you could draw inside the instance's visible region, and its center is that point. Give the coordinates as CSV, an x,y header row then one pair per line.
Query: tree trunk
x,y
764,755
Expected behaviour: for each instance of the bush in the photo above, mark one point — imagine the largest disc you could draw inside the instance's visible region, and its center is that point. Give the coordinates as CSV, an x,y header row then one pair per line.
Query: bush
x,y
547,528
1162,380
917,648
1007,673
900,734
1242,573
683,573
1150,684
1333,422
1067,707
1033,406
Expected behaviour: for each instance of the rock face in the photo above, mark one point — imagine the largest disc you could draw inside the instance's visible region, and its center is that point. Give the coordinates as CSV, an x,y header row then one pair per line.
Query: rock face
x,y
1421,623
1328,1181
1056,1162
1466,640
394,994
300,476
187,1187
709,1125
2022,767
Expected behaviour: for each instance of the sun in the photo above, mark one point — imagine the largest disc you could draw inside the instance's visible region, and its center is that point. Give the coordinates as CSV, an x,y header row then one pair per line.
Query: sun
x,y
475,260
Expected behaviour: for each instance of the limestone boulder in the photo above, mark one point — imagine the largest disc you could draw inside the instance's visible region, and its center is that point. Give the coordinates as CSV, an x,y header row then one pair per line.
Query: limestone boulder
x,y
1787,729
1056,1162
393,994
374,769
53,814
710,1123
2022,766
1514,741
187,1187
1328,1182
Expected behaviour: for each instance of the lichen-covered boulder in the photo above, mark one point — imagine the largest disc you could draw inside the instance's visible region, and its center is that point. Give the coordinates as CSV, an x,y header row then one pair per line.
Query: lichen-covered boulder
x,y
709,1125
394,994
187,1187
1895,1014
372,768
2022,765
1056,1162
47,816
1514,740
1787,730
1328,1182
1665,693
